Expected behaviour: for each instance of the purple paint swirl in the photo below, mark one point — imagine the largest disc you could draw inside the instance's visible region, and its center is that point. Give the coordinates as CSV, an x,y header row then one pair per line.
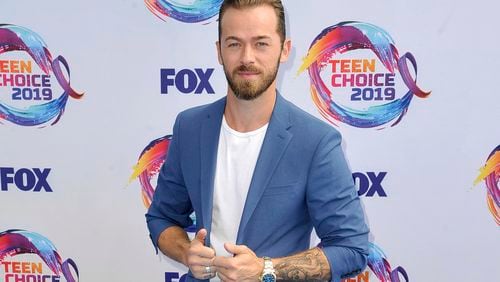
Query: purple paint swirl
x,y
378,263
349,36
15,242
16,38
148,166
195,12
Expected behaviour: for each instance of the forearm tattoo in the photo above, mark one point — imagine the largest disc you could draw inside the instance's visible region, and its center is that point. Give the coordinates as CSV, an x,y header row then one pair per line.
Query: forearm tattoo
x,y
310,265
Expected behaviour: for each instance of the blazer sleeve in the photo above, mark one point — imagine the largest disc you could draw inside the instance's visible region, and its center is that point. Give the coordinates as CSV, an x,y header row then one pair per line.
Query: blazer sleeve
x,y
171,205
335,209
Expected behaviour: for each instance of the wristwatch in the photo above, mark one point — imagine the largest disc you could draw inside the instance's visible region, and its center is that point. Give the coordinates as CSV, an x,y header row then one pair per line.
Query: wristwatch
x,y
268,274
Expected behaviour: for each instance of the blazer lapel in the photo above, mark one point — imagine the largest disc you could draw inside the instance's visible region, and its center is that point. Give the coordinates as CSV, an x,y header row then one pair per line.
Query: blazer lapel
x,y
274,145
209,141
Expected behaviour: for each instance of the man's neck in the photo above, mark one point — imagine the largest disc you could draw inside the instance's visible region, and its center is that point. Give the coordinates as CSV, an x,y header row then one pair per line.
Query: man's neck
x,y
245,116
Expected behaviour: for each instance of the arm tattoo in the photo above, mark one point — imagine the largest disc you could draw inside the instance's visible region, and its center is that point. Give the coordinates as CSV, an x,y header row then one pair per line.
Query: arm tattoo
x,y
311,265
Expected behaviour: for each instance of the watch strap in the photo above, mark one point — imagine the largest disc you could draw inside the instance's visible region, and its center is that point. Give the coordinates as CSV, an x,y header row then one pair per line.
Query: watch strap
x,y
268,270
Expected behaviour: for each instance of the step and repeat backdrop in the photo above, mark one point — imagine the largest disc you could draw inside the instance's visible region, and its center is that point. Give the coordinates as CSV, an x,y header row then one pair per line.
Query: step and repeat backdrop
x,y
89,91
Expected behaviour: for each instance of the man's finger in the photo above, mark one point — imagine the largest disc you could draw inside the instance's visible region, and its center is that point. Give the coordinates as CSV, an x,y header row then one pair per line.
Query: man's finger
x,y
199,250
222,262
197,260
223,276
201,272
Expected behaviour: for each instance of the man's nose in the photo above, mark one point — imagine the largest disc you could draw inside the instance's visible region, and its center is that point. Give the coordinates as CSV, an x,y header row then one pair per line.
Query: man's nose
x,y
247,56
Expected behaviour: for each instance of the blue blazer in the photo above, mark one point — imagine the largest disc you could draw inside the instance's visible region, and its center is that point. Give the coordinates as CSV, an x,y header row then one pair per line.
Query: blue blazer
x,y
301,181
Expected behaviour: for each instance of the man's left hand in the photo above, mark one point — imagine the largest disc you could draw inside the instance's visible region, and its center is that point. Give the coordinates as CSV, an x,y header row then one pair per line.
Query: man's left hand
x,y
243,266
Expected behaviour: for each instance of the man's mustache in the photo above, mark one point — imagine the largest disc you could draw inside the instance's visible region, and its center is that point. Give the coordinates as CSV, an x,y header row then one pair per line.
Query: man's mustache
x,y
244,68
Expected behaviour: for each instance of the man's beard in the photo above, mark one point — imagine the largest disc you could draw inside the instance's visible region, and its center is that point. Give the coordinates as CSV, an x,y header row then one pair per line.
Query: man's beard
x,y
250,89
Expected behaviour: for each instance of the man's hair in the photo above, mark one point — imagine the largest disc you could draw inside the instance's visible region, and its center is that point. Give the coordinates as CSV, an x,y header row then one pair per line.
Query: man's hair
x,y
241,4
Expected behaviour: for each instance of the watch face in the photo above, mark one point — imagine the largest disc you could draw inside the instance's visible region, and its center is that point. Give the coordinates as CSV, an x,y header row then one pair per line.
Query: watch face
x,y
268,278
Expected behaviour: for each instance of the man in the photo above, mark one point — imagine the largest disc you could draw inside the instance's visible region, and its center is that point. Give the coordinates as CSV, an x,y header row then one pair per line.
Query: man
x,y
258,172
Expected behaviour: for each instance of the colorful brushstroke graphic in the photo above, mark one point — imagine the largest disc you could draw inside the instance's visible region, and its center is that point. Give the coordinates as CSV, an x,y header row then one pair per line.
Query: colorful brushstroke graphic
x,y
148,166
345,37
490,173
15,242
380,266
17,38
197,11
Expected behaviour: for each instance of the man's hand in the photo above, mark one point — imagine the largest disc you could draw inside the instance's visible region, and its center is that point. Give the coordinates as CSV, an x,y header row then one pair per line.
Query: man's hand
x,y
243,266
200,258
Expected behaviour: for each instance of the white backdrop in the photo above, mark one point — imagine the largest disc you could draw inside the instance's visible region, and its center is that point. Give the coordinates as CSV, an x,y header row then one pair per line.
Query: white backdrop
x,y
433,222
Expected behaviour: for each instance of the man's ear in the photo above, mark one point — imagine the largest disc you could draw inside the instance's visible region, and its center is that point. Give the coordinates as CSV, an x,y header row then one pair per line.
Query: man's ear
x,y
285,51
219,55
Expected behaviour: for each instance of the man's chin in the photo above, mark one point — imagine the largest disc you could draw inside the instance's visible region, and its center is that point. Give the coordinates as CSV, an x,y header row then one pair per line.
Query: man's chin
x,y
246,95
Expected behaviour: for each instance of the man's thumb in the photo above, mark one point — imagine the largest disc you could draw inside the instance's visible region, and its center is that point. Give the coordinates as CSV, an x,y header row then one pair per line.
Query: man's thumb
x,y
235,249
201,235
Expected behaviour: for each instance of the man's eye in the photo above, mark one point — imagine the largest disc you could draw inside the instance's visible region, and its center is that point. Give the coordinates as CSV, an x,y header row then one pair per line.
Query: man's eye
x,y
262,44
234,44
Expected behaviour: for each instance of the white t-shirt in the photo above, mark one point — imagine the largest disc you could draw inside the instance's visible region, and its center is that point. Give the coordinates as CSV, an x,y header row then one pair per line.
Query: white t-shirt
x,y
236,158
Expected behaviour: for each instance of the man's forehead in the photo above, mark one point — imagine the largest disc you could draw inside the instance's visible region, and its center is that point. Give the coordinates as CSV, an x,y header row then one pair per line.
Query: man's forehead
x,y
259,19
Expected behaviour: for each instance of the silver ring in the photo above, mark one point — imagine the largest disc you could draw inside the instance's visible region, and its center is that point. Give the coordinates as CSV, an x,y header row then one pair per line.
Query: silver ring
x,y
208,270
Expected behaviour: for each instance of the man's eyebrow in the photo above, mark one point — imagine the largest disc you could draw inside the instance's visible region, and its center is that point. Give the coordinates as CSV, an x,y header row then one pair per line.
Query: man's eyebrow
x,y
260,37
231,38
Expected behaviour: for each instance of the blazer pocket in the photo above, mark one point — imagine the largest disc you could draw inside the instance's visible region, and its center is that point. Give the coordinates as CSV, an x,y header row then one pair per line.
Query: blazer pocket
x,y
280,189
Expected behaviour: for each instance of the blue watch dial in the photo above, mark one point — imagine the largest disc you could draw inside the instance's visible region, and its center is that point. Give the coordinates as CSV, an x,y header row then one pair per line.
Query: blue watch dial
x,y
268,278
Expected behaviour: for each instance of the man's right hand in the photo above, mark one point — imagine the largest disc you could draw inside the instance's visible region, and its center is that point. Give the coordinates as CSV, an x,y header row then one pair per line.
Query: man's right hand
x,y
200,258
